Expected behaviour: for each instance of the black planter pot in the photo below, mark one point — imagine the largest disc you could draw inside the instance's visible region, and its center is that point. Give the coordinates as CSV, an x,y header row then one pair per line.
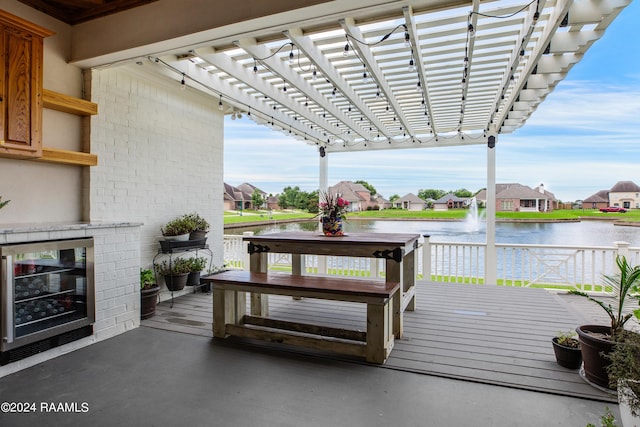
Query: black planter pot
x,y
594,350
193,279
148,301
176,282
198,235
568,357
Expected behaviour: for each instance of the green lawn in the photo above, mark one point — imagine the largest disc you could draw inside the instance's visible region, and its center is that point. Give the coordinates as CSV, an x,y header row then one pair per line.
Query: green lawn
x,y
459,214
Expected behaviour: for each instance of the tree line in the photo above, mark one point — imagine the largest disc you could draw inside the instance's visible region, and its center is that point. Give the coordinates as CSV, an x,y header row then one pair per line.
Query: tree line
x,y
295,198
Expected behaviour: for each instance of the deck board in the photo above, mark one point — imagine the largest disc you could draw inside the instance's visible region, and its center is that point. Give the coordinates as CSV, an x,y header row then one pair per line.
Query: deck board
x,y
486,334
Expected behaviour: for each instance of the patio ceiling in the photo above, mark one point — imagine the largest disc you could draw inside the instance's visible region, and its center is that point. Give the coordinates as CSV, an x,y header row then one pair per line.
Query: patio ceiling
x,y
454,73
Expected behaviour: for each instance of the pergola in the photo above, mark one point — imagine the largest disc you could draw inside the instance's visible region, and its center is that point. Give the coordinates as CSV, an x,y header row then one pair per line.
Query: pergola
x,y
384,75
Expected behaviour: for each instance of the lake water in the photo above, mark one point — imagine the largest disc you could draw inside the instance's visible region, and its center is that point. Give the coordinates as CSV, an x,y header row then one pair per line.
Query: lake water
x,y
585,233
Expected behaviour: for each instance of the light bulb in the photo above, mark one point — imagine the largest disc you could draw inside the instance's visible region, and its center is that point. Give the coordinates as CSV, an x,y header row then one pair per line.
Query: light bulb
x,y
412,66
315,75
346,50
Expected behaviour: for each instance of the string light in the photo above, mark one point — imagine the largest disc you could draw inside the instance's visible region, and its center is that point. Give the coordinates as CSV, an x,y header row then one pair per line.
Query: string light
x,y
220,106
183,84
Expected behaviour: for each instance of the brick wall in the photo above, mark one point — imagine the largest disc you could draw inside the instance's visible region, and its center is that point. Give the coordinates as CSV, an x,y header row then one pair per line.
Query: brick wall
x,y
160,152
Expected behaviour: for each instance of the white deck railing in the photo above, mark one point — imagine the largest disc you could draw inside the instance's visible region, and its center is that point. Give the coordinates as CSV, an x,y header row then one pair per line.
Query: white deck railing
x,y
548,266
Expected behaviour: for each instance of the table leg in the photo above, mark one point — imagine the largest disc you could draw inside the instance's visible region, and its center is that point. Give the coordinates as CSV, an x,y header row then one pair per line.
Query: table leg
x,y
228,307
409,281
297,261
259,302
394,274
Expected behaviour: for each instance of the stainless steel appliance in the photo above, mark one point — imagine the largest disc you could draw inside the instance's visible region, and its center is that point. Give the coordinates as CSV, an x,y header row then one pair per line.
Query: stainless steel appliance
x,y
47,296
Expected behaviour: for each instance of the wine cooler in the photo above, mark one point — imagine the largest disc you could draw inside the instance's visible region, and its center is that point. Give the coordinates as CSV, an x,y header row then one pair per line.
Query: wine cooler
x,y
47,296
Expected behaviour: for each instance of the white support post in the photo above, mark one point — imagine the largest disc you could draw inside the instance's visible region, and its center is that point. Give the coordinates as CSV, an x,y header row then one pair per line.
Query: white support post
x,y
245,249
490,256
426,258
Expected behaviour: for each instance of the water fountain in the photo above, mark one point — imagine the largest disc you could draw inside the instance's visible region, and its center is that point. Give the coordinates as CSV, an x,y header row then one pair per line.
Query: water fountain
x,y
472,220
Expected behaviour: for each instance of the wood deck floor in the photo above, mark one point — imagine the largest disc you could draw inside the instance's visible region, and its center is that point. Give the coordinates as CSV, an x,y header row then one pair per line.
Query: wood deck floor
x,y
484,334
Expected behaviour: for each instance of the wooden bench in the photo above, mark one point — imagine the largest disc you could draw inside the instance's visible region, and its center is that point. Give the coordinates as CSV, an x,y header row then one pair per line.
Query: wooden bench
x,y
230,318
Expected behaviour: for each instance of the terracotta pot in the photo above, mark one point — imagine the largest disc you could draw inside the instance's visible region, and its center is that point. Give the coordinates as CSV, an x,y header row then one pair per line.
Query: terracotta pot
x,y
568,357
148,301
594,349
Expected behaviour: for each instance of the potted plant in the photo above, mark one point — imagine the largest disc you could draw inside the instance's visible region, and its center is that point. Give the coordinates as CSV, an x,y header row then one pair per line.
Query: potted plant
x,y
148,293
332,210
3,204
200,226
597,341
196,265
175,273
567,350
624,374
177,229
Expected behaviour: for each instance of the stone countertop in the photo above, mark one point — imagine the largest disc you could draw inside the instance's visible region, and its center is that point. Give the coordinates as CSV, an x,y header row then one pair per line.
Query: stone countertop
x,y
62,226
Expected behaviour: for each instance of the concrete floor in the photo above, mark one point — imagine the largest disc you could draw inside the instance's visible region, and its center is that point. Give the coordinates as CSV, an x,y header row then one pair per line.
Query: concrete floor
x,y
150,377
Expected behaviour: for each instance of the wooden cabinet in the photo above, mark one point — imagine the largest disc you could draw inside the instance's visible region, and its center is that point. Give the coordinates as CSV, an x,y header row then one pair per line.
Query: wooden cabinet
x,y
21,46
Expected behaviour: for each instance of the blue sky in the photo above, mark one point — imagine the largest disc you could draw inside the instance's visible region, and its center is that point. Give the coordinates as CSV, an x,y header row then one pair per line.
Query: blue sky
x,y
583,138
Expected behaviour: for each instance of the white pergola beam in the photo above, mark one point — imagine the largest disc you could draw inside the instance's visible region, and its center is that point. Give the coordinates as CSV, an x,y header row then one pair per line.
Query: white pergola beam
x,y
232,95
326,69
277,66
348,24
419,63
224,63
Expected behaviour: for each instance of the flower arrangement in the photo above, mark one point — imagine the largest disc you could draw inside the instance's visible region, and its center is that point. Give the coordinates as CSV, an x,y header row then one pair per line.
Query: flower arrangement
x,y
332,205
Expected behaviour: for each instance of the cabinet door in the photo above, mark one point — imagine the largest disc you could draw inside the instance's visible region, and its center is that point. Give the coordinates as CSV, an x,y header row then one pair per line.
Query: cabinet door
x,y
21,99
20,93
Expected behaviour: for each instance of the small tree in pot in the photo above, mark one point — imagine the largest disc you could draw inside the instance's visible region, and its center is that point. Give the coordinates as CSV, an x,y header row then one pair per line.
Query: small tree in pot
x,y
597,341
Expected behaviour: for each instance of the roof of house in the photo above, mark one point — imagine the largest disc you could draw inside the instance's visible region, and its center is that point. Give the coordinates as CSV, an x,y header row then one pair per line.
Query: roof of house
x,y
410,197
234,193
247,188
514,190
625,187
601,196
349,190
450,197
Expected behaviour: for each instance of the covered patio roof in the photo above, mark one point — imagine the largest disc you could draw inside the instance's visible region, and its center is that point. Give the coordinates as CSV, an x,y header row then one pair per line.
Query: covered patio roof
x,y
398,74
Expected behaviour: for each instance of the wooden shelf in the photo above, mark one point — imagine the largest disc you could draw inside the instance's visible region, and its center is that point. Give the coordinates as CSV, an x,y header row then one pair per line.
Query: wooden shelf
x,y
68,104
66,157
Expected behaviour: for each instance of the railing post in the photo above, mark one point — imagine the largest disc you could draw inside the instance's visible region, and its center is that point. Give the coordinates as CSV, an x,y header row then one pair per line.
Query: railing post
x,y
322,264
245,250
622,248
426,258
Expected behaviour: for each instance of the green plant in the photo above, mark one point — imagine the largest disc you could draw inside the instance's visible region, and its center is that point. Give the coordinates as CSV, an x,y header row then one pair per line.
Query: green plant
x,y
178,226
607,420
567,339
147,279
177,266
197,264
3,204
624,283
625,366
198,222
